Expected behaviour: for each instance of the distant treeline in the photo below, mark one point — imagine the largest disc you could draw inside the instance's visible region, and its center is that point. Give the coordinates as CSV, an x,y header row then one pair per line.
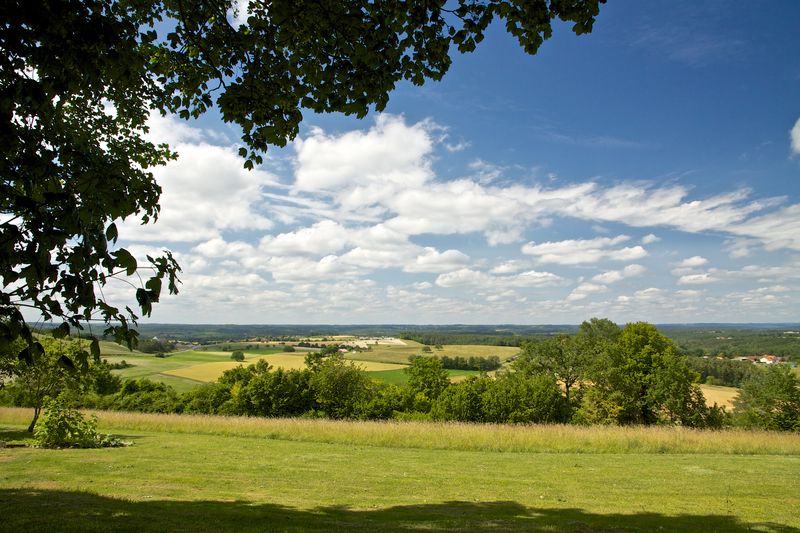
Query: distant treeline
x,y
728,372
433,339
213,333
735,343
484,364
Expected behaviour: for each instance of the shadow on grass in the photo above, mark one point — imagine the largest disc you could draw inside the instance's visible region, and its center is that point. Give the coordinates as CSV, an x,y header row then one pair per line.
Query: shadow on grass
x,y
46,510
15,436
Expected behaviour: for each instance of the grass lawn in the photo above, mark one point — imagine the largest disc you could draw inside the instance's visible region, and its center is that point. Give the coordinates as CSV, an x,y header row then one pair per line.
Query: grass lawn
x,y
211,474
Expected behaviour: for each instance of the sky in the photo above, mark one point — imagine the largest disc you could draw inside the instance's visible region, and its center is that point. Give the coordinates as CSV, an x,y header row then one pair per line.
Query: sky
x,y
647,171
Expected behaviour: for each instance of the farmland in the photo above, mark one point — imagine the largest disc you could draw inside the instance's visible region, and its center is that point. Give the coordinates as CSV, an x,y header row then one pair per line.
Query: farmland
x,y
186,369
213,473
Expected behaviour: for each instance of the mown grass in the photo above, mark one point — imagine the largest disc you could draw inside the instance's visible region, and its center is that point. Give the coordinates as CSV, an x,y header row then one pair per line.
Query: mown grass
x,y
213,474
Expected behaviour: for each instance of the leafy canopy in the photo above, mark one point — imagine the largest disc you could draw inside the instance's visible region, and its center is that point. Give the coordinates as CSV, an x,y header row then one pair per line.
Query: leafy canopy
x,y
79,79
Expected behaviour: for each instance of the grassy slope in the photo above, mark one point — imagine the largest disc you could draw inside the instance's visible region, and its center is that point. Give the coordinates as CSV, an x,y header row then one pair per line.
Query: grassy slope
x,y
289,475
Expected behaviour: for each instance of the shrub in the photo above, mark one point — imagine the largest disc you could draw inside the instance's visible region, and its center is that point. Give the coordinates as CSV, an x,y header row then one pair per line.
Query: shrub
x,y
237,356
64,427
339,386
770,399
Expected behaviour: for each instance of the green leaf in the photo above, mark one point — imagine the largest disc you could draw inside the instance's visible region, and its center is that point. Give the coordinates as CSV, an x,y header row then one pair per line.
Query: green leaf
x,y
94,348
66,362
61,331
111,232
126,261
26,356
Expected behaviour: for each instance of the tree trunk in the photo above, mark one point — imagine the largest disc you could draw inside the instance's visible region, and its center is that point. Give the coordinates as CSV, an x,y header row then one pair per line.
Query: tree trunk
x,y
36,411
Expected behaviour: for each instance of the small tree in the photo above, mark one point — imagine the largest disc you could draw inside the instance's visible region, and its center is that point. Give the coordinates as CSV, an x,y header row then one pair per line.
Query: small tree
x,y
51,373
339,386
427,375
237,356
565,358
640,378
770,399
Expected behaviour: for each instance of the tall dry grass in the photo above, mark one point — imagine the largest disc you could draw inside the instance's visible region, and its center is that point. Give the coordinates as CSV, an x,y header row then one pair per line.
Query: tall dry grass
x,y
454,436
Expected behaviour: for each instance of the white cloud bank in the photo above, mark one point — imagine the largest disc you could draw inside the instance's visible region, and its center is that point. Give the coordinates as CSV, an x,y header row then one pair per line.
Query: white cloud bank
x,y
363,208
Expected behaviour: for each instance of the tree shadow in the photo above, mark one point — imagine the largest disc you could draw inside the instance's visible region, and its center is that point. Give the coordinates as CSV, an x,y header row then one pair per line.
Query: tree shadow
x,y
50,510
15,435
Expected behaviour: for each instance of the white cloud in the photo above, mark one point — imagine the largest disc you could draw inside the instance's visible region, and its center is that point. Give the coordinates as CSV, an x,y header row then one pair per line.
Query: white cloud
x,y
369,200
578,251
323,238
205,192
696,279
466,277
794,136
613,276
389,153
584,290
431,260
509,267
776,230
694,261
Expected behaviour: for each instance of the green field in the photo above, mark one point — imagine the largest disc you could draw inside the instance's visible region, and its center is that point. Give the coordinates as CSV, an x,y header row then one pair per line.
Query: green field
x,y
399,377
391,353
186,369
212,473
161,369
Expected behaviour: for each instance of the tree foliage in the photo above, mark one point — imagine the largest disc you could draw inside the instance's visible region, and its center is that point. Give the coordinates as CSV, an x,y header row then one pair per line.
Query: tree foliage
x,y
427,376
641,379
566,358
51,374
770,399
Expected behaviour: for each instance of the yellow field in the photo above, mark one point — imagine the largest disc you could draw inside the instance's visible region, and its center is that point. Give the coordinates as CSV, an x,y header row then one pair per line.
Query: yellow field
x,y
208,372
722,396
374,366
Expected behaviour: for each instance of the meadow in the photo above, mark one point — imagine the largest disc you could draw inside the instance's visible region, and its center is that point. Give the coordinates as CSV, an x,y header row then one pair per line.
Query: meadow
x,y
214,473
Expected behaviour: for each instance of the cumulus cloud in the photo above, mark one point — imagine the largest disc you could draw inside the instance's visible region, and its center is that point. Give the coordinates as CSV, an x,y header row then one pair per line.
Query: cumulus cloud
x,y
696,279
694,261
323,238
578,251
362,201
205,192
389,153
431,260
794,137
466,277
584,290
613,276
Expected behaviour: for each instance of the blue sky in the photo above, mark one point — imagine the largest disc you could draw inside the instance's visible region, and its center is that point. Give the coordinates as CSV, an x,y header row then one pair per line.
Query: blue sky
x,y
647,171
